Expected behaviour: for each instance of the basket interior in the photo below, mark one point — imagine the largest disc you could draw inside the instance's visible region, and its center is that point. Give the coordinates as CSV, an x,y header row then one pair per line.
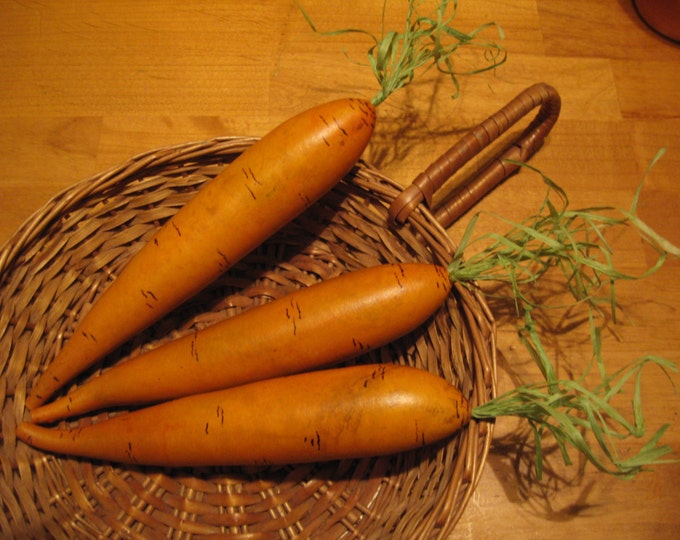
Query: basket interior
x,y
56,265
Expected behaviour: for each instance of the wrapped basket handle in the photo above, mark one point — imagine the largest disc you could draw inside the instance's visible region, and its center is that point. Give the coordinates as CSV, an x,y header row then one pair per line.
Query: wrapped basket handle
x,y
521,149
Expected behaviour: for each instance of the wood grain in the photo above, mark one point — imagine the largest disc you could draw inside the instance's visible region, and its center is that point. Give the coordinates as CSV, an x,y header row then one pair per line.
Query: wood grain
x,y
86,85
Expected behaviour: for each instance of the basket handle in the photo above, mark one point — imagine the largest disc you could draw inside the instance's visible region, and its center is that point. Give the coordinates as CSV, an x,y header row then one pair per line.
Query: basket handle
x,y
526,145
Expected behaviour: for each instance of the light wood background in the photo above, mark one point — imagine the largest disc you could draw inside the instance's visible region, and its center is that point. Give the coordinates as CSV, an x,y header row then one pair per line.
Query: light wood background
x,y
86,85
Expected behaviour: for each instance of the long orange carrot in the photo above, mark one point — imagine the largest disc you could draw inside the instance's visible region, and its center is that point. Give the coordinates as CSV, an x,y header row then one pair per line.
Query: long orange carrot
x,y
262,190
350,412
328,322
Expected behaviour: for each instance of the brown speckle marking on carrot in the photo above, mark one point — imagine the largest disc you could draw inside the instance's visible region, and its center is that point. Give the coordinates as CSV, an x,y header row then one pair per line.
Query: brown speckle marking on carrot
x,y
128,452
398,275
420,436
220,414
305,199
250,175
293,314
367,112
315,442
149,294
360,345
56,379
342,129
150,298
325,140
445,279
194,349
174,226
379,373
155,241
226,263
87,335
206,428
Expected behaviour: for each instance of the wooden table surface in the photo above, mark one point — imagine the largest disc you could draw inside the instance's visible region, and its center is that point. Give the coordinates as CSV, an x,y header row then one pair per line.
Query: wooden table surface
x,y
87,85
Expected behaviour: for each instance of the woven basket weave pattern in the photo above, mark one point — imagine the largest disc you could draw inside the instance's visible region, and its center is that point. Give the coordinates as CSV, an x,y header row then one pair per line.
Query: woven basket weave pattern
x,y
56,265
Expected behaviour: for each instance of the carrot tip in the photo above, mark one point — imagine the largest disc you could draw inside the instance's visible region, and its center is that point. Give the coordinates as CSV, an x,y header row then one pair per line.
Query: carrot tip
x,y
33,402
38,415
23,431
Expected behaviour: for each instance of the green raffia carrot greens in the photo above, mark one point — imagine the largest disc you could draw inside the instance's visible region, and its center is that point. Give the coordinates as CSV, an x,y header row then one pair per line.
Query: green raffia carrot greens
x,y
426,41
567,409
572,242
557,238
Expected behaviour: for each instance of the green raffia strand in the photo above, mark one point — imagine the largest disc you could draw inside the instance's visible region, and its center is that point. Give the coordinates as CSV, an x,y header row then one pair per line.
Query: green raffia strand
x,y
573,243
557,238
426,41
567,409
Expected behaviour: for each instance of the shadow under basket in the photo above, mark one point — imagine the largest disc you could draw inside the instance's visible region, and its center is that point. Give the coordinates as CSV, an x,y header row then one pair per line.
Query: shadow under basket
x,y
56,265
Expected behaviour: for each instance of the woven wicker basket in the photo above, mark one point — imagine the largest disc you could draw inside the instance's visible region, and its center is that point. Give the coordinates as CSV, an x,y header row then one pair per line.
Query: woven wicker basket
x,y
58,262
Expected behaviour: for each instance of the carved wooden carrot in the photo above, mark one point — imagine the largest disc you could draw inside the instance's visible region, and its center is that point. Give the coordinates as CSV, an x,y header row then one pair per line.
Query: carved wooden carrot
x,y
322,324
350,412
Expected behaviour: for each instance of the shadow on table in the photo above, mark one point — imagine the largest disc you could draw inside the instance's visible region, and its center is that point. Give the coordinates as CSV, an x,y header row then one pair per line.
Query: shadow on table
x,y
513,453
512,459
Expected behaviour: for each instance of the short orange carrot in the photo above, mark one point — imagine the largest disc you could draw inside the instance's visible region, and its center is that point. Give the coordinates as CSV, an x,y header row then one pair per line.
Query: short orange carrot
x,y
316,326
350,412
263,189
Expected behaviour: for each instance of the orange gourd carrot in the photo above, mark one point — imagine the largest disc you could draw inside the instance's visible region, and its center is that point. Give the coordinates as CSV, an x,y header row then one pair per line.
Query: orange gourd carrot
x,y
263,189
339,413
322,324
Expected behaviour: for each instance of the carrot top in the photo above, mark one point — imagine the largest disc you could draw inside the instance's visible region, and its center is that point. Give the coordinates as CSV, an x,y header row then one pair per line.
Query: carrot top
x,y
427,40
571,243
